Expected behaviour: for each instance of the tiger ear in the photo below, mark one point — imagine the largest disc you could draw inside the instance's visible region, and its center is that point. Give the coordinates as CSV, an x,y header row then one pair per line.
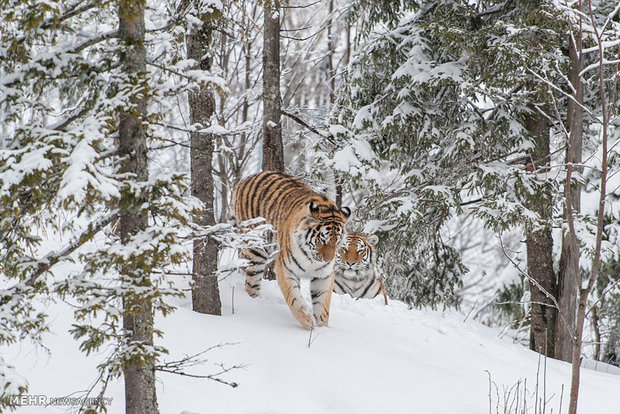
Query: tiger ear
x,y
346,211
314,209
373,239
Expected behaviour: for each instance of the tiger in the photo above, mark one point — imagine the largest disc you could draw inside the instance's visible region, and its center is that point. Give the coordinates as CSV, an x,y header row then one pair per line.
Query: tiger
x,y
309,229
355,269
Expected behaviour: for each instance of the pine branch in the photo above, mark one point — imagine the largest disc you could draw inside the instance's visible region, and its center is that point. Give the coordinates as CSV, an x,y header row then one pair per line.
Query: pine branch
x,y
93,41
54,257
63,124
72,11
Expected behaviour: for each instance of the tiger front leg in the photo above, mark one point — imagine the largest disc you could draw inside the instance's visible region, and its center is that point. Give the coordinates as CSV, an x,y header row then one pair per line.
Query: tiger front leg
x,y
321,292
289,284
257,257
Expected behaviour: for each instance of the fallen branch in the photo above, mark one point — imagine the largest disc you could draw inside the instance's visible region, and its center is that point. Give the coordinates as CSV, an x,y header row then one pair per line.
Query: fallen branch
x,y
178,367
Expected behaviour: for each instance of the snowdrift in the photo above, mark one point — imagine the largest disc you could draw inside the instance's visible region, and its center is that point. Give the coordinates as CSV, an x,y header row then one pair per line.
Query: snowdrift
x,y
372,359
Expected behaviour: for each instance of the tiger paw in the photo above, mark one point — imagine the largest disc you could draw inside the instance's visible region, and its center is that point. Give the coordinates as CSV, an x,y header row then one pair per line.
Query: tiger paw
x,y
253,291
305,318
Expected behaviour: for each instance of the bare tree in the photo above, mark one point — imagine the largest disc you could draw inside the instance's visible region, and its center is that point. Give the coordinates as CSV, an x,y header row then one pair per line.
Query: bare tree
x,y
607,106
238,59
273,153
205,290
140,397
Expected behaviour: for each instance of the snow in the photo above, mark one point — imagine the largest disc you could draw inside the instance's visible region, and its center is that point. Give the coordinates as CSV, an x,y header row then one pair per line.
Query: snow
x,y
372,359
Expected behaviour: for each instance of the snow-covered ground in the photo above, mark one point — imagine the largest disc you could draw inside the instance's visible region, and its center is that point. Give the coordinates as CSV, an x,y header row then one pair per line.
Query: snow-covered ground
x,y
372,359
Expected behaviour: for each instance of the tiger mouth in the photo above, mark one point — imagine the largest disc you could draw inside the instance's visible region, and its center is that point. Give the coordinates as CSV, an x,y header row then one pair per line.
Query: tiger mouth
x,y
354,268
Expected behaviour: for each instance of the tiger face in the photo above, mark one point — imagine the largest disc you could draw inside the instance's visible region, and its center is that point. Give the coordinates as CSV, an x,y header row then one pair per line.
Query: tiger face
x,y
326,228
357,252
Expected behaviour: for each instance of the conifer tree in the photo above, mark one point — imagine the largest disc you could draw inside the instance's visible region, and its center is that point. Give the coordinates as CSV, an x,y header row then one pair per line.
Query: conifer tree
x,y
434,111
139,372
83,91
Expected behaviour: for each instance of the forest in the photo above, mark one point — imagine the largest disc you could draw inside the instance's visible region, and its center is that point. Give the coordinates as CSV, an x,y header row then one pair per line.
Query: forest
x,y
471,146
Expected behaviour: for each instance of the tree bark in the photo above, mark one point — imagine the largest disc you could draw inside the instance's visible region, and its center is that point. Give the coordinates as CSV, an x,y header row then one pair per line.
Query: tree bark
x,y
205,289
140,396
331,75
273,153
539,244
600,219
569,260
597,334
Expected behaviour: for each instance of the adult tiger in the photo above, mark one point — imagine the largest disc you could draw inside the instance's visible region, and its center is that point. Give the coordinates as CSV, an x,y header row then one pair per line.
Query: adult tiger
x,y
355,268
309,230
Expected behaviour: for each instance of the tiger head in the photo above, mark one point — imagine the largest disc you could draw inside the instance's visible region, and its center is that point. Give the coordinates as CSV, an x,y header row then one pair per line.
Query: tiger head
x,y
325,228
357,252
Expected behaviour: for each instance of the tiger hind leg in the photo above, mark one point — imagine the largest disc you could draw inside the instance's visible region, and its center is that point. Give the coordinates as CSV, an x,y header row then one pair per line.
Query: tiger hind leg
x,y
289,285
321,292
257,257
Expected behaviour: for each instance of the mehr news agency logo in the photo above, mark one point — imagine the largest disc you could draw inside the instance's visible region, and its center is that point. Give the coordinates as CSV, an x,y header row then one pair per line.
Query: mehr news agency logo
x,y
44,400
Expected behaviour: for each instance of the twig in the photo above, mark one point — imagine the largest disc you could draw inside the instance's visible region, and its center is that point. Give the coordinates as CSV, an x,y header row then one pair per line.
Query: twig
x,y
303,123
534,282
178,367
310,339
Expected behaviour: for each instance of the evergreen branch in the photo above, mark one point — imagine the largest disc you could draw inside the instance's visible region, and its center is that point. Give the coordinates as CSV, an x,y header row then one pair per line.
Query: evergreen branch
x,y
93,41
494,9
52,258
63,124
75,50
72,11
303,123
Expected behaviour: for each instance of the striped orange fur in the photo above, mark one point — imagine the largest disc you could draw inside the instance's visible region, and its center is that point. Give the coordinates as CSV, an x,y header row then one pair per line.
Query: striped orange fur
x,y
309,230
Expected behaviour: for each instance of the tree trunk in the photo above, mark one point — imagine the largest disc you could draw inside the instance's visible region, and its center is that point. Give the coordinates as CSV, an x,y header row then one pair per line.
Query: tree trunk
x,y
597,334
600,219
205,289
140,397
569,260
331,78
539,245
273,153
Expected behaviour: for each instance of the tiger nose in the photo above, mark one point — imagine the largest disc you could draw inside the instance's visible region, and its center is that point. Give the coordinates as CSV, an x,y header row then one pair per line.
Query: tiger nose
x,y
350,263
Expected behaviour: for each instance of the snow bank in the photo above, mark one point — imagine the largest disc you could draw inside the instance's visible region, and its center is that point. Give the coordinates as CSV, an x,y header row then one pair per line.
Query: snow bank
x,y
372,359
